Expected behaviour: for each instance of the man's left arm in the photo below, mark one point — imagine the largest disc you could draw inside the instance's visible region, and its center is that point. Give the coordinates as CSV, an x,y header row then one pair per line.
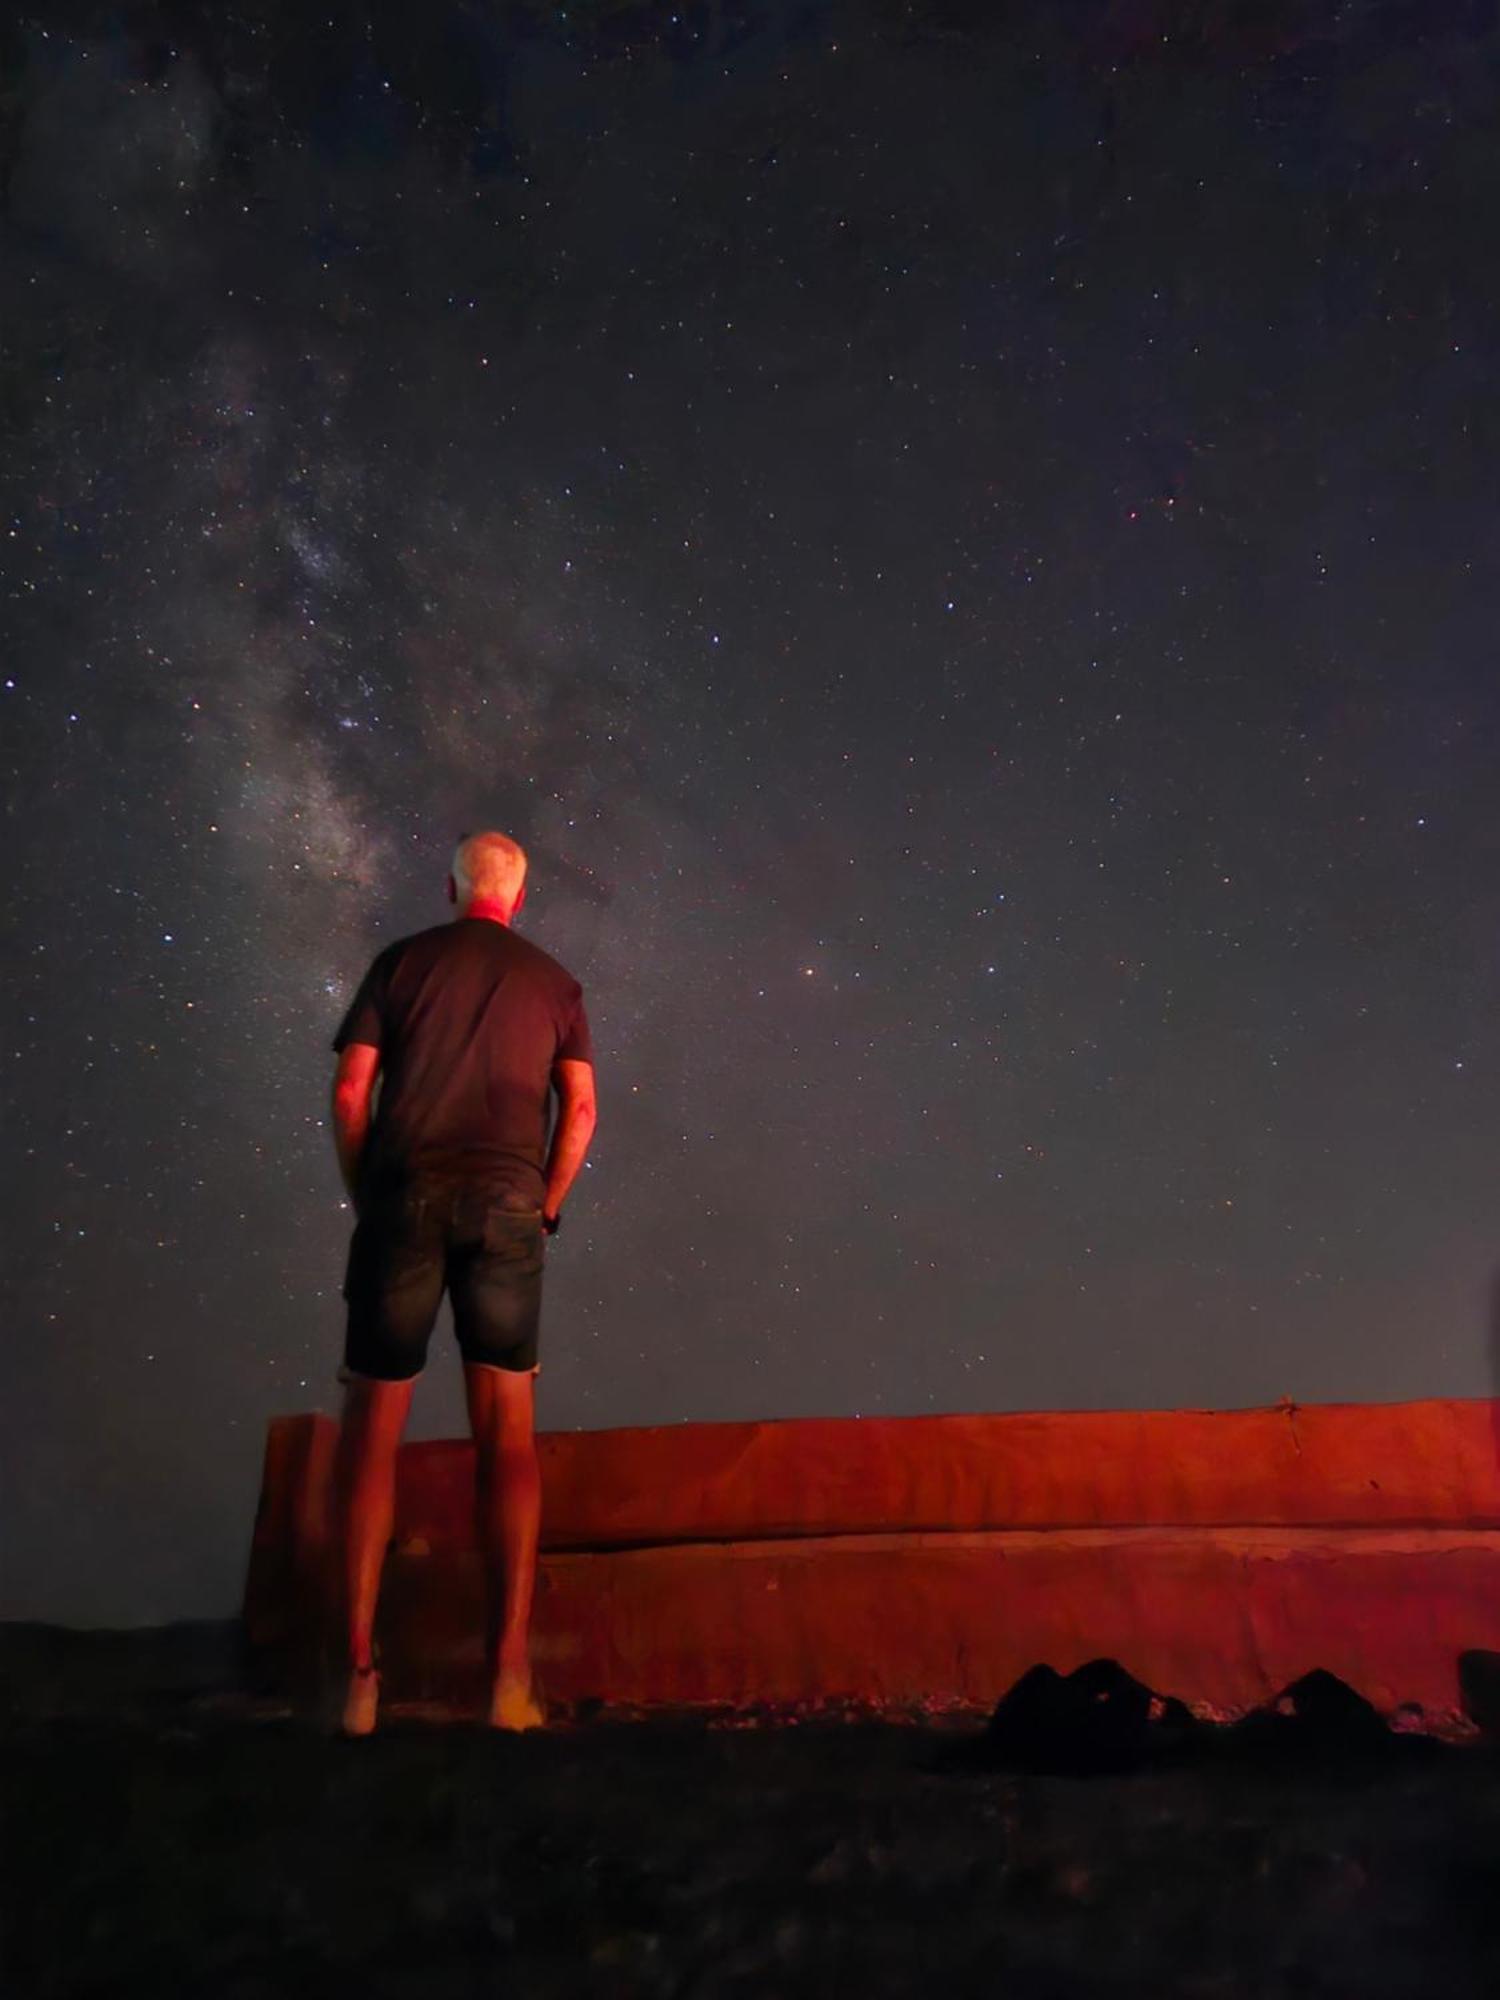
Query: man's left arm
x,y
353,1090
576,1117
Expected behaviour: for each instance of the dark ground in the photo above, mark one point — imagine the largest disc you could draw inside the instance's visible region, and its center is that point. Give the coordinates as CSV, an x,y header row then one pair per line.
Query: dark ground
x,y
188,1843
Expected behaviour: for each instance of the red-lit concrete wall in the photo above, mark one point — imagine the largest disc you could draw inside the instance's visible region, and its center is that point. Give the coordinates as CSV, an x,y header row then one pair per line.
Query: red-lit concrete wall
x,y
1216,1554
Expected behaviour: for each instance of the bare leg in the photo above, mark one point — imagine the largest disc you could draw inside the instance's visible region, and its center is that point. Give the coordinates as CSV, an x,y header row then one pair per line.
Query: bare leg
x,y
508,1497
364,1478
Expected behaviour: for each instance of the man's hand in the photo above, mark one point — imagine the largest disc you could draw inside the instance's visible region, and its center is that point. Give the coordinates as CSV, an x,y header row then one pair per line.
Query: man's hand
x,y
577,1114
353,1087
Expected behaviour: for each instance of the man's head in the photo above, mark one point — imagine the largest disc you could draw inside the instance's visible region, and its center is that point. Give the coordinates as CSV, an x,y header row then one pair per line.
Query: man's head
x,y
488,868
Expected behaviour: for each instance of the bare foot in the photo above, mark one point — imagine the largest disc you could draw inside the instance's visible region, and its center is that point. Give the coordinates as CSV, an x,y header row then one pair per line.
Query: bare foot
x,y
361,1702
514,1706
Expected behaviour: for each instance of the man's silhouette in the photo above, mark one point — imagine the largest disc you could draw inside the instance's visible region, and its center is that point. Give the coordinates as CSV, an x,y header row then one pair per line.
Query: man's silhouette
x,y
454,1185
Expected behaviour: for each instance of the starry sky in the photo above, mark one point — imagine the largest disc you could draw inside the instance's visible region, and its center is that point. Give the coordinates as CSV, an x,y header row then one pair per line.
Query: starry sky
x,y
963,540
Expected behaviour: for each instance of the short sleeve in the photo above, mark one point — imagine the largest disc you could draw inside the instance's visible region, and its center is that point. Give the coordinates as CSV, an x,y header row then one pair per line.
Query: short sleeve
x,y
577,1044
365,1020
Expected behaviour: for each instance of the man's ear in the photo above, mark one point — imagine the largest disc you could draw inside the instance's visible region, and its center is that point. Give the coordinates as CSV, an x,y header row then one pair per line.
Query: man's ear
x,y
450,890
520,900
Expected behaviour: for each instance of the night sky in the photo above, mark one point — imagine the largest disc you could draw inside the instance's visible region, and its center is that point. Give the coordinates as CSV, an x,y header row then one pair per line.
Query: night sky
x,y
962,539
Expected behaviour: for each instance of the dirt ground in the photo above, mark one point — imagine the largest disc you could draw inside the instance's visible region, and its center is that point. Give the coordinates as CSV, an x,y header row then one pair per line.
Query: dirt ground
x,y
202,1846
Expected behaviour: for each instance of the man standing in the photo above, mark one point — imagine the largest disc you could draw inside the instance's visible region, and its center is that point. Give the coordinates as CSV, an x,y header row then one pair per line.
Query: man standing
x,y
454,1186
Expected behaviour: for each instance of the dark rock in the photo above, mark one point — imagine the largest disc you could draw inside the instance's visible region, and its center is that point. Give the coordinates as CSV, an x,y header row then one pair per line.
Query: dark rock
x,y
1479,1689
1095,1720
1317,1719
1100,1720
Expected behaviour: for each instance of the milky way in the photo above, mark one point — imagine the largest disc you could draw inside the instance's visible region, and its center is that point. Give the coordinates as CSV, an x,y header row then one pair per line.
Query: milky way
x,y
969,563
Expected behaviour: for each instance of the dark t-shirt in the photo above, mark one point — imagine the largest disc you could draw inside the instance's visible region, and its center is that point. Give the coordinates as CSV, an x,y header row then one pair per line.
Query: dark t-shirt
x,y
469,1019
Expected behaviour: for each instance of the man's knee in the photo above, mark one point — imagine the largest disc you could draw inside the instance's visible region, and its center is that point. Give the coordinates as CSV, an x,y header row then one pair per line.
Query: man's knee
x,y
513,1426
375,1410
501,1405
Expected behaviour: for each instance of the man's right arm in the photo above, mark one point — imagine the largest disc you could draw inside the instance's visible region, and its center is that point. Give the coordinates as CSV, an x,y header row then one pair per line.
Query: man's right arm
x,y
577,1115
353,1087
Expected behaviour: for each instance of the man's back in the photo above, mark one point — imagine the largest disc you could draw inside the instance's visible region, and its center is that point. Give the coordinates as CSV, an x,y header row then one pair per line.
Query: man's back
x,y
469,1019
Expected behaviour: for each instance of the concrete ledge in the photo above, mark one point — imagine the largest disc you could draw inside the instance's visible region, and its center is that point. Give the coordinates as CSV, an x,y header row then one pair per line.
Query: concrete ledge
x,y
899,1608
1360,1464
1223,1619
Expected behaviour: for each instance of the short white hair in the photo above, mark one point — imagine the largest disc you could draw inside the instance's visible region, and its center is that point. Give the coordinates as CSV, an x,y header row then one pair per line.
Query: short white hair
x,y
490,865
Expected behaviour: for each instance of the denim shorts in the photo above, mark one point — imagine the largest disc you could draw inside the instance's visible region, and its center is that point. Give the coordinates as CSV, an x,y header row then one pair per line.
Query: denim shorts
x,y
413,1243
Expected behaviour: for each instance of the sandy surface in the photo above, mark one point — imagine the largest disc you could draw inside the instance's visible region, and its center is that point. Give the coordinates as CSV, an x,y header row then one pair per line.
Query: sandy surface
x,y
205,1846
